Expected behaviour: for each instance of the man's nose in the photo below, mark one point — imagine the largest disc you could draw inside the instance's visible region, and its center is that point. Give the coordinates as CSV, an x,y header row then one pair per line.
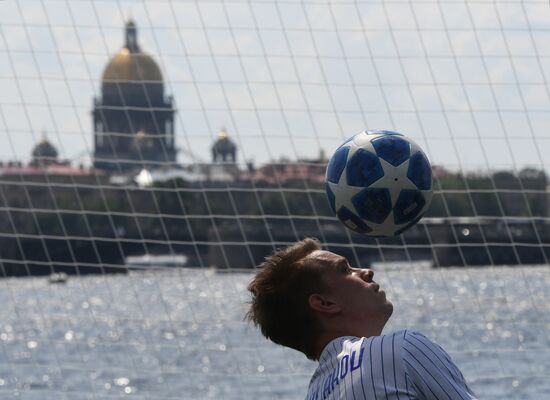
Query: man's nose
x,y
367,274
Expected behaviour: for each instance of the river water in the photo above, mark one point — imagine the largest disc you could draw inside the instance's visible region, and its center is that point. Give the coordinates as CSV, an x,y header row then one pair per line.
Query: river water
x,y
180,334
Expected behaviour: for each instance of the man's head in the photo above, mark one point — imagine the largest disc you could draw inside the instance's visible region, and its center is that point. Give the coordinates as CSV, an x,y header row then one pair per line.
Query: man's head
x,y
304,296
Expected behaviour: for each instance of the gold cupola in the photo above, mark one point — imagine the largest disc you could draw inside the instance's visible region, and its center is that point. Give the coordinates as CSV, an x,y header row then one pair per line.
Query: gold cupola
x,y
130,64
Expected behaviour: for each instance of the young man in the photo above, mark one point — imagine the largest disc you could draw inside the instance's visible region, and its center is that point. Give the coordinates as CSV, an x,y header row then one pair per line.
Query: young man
x,y
313,301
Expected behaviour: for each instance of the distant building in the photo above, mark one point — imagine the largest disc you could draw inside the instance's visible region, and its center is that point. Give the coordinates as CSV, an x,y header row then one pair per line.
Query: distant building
x,y
224,150
289,173
133,120
45,154
223,167
44,164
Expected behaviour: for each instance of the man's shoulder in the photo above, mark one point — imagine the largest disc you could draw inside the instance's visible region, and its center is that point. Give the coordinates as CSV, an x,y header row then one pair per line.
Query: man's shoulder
x,y
411,342
417,340
406,336
396,338
394,342
400,343
419,350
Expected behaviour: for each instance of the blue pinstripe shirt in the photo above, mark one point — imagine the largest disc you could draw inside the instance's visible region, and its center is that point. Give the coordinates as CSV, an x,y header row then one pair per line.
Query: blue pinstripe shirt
x,y
404,365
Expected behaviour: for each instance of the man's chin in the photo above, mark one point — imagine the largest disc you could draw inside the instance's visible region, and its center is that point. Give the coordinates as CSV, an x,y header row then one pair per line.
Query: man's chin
x,y
389,309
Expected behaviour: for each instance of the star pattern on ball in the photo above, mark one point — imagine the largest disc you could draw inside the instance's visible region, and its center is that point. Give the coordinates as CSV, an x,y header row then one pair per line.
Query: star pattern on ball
x,y
343,193
394,179
386,228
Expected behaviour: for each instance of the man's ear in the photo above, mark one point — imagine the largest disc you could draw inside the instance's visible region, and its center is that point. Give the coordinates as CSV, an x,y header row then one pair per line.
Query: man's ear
x,y
323,304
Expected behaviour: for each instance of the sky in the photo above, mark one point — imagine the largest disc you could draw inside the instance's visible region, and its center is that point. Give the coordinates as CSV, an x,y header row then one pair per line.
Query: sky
x,y
468,81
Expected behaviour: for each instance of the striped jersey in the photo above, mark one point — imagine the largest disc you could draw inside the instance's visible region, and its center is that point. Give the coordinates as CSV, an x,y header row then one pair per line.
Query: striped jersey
x,y
404,365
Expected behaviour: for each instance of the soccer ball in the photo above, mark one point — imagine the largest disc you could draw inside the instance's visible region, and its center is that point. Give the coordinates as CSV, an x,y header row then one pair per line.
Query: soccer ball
x,y
379,183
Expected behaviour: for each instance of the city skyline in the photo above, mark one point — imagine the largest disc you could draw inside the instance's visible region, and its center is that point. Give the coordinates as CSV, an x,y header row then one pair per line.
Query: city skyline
x,y
289,80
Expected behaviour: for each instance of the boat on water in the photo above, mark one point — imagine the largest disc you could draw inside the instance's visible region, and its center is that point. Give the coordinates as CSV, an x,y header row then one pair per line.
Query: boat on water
x,y
58,277
151,261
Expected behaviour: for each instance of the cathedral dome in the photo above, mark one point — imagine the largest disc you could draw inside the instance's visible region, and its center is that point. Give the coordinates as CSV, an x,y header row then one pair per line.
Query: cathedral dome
x,y
224,149
44,150
130,64
132,67
44,154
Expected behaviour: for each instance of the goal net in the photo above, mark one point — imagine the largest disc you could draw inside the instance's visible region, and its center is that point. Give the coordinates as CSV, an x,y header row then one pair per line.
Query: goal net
x,y
154,152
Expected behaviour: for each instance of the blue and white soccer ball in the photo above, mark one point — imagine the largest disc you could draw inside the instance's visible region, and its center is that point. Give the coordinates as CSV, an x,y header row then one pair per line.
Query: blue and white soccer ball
x,y
379,183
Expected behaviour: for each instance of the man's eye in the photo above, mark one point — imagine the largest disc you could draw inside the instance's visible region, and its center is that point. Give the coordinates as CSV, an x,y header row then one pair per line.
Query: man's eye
x,y
343,268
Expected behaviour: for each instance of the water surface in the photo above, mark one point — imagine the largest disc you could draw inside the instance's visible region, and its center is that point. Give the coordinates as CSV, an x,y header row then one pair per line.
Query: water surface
x,y
180,334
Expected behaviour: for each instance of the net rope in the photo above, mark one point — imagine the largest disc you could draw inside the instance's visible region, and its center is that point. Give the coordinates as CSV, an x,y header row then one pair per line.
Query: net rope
x,y
289,81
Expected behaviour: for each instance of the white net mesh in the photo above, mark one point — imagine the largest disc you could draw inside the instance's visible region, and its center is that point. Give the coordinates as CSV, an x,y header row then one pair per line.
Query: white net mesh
x,y
161,134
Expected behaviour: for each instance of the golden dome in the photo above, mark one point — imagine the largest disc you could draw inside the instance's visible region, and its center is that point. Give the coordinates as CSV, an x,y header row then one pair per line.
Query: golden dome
x,y
222,135
129,66
140,134
223,144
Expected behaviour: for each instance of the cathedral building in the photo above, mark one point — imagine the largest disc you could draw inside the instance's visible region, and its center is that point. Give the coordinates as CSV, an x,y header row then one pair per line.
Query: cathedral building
x,y
224,150
133,119
44,154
